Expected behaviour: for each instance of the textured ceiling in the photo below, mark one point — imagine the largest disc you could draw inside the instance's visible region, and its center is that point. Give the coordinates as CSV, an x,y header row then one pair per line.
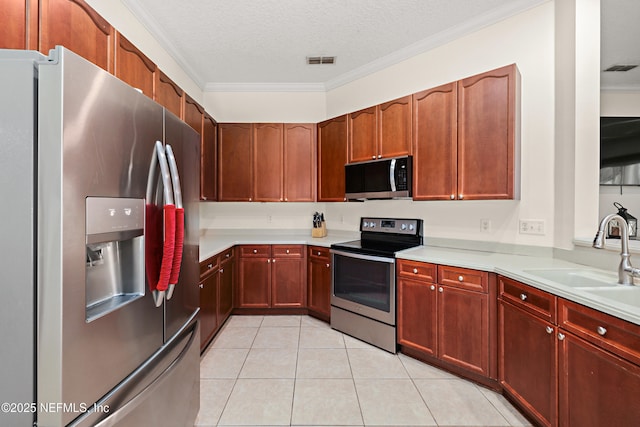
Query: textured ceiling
x,y
620,43
262,44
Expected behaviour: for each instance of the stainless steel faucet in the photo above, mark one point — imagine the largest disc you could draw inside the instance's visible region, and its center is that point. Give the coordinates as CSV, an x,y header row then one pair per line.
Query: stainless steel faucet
x,y
626,272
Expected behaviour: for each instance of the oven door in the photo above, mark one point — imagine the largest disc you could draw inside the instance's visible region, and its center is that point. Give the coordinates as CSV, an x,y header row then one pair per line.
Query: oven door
x,y
364,284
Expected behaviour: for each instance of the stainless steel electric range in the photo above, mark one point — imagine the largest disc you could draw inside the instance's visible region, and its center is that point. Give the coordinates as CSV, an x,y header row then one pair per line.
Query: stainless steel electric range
x,y
363,285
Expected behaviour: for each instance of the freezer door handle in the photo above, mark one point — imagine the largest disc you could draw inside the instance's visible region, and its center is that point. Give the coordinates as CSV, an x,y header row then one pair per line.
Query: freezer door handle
x,y
179,234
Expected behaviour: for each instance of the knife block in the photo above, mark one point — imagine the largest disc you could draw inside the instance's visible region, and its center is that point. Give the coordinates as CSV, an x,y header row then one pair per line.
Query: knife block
x,y
320,231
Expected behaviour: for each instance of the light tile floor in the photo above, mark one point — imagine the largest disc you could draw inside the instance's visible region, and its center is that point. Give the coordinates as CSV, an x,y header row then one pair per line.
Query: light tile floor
x,y
296,370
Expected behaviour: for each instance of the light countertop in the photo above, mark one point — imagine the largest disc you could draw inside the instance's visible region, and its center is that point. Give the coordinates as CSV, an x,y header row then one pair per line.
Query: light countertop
x,y
518,267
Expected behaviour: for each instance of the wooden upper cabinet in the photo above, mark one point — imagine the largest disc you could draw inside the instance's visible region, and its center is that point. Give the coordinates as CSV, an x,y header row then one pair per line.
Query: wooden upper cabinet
x,y
235,176
168,94
209,159
332,156
133,67
394,127
76,26
19,29
488,123
435,140
268,162
193,114
299,162
363,143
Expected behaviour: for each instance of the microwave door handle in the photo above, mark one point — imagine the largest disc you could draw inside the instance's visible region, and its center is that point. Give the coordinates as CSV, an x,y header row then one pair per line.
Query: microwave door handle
x,y
179,242
392,175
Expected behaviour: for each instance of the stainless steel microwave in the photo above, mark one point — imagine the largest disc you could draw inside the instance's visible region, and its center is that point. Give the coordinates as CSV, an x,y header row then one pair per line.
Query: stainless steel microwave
x,y
390,178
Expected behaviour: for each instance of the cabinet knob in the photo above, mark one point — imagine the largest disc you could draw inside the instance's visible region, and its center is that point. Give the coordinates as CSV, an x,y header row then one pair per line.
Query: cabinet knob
x,y
328,265
432,287
221,270
255,251
204,197
287,250
274,260
379,156
286,199
415,271
373,157
440,289
201,286
209,265
601,330
228,255
549,329
561,336
460,196
250,199
452,197
318,253
523,297
460,278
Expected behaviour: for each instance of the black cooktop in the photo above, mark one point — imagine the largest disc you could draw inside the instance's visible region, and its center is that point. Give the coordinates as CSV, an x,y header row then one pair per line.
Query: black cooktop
x,y
384,237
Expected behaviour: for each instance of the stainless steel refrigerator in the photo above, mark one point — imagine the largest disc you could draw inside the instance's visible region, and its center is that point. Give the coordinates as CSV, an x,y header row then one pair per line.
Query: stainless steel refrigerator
x,y
99,261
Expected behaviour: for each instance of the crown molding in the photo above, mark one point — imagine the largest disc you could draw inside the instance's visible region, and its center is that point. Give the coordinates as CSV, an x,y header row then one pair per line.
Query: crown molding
x,y
265,87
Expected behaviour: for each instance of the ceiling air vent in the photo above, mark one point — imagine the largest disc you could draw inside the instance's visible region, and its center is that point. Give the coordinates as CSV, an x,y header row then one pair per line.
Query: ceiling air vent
x,y
318,60
621,67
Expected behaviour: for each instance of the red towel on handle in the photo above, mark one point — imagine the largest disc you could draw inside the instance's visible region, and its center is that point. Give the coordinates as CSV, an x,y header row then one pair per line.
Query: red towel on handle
x,y
168,248
177,255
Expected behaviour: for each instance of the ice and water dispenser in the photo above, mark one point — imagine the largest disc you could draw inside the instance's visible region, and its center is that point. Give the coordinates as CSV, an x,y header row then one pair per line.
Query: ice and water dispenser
x,y
115,271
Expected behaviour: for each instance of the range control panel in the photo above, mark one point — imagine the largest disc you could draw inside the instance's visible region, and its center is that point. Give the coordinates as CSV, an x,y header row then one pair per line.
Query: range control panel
x,y
391,225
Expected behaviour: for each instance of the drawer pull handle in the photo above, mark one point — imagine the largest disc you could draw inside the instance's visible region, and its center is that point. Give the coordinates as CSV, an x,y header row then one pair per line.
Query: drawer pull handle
x,y
561,336
523,297
415,271
601,330
255,251
549,329
440,289
460,279
432,287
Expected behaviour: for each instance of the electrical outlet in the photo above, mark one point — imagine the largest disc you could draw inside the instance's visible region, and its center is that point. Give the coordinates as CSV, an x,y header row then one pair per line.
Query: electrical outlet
x,y
532,226
485,226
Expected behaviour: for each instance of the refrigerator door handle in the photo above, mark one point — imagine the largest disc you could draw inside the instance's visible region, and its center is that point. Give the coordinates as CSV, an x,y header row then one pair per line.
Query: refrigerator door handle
x,y
158,289
179,243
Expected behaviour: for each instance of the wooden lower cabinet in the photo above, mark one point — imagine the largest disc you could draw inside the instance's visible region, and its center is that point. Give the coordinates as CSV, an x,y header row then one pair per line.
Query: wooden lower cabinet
x,y
448,322
597,388
319,282
528,362
271,276
225,287
216,294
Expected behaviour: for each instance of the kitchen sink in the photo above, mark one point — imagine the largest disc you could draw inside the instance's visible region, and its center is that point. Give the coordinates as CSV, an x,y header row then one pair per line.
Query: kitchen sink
x,y
629,295
577,277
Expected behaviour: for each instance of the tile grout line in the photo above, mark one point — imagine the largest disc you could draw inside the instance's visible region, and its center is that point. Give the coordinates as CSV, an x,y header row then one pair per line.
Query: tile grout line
x,y
418,390
353,380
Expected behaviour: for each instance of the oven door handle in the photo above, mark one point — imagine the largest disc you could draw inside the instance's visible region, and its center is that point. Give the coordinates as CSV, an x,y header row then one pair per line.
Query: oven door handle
x,y
362,256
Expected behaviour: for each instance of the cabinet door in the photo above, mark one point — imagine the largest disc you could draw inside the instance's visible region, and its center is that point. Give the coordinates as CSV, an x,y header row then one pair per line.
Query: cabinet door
x,y
363,141
133,67
225,290
332,156
463,329
19,29
288,282
435,140
299,162
234,162
417,314
596,387
268,162
394,127
76,26
528,362
319,281
208,308
254,290
168,94
487,125
208,159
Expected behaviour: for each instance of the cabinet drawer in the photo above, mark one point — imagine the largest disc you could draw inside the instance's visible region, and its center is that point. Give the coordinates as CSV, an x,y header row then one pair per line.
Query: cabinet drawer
x,y
615,335
225,255
533,301
288,251
417,270
208,265
259,251
464,278
319,252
